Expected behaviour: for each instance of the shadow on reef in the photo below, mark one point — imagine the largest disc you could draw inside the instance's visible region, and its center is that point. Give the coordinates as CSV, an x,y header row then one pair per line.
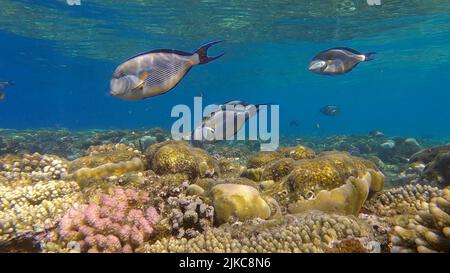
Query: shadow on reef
x,y
121,195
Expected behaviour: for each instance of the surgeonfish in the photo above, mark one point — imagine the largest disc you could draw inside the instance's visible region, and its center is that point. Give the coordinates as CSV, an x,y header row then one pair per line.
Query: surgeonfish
x,y
330,110
337,61
223,123
155,72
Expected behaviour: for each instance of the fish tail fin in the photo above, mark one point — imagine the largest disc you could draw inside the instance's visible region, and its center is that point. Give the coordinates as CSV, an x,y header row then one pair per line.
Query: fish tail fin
x,y
203,53
369,57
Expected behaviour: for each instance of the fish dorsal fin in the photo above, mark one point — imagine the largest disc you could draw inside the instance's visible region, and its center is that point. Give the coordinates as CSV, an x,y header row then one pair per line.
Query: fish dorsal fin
x,y
173,51
347,49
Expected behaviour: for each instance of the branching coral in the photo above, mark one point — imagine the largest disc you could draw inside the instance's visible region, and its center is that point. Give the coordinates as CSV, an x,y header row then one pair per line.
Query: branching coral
x,y
429,231
34,207
311,232
189,216
35,166
119,222
403,200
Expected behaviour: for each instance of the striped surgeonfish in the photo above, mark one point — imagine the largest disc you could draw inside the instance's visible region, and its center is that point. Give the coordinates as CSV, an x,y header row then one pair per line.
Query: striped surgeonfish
x,y
155,72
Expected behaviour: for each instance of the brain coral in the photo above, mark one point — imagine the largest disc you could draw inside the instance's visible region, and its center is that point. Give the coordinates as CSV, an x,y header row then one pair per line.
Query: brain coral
x,y
346,199
118,222
177,157
310,232
325,172
429,231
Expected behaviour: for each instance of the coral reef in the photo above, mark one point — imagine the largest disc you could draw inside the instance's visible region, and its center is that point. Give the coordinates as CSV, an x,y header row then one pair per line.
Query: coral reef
x,y
428,231
138,191
346,199
86,176
103,154
326,172
177,157
189,216
404,200
36,167
311,232
34,207
240,201
119,222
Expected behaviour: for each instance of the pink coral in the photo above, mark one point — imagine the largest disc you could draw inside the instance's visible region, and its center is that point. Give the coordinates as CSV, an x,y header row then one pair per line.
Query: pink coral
x,y
117,223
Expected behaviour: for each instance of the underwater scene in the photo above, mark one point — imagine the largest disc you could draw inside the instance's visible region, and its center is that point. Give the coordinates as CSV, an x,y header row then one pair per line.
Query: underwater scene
x,y
215,126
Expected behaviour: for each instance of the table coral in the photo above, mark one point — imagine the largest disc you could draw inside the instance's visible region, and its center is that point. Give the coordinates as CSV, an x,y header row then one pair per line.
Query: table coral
x,y
119,222
310,232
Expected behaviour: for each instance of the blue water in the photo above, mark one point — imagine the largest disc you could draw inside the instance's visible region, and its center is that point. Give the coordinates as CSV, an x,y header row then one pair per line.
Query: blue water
x,y
62,57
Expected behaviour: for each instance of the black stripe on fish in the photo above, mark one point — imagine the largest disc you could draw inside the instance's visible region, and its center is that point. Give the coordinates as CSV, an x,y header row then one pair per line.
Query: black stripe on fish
x,y
346,49
170,51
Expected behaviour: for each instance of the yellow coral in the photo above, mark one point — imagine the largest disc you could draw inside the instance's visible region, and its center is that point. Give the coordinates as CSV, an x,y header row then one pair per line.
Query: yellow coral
x,y
176,157
346,199
34,207
326,172
85,176
428,231
237,200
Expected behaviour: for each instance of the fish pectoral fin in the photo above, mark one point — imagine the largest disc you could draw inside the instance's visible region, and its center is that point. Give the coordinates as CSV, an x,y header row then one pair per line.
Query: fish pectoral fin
x,y
139,86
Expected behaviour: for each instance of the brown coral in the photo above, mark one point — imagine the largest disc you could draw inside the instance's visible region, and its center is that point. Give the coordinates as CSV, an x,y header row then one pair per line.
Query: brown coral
x,y
429,231
177,157
310,232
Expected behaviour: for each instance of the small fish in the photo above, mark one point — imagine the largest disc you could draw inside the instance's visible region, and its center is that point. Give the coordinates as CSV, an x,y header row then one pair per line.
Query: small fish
x,y
155,72
330,110
318,125
337,61
294,123
376,133
5,84
239,111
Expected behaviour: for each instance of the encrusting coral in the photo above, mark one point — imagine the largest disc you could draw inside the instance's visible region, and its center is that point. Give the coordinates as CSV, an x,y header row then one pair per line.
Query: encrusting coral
x,y
309,232
103,154
34,207
119,222
241,201
346,199
326,172
86,176
428,231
